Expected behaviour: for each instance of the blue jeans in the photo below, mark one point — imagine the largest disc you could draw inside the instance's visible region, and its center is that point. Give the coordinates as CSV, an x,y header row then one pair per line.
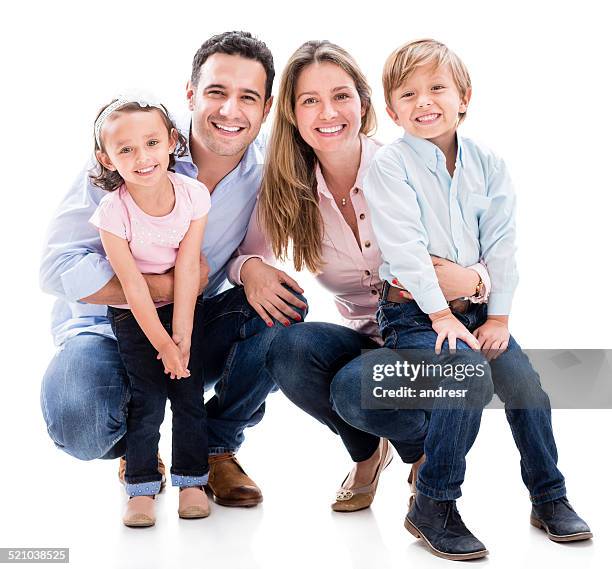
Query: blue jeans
x,y
447,431
85,390
303,360
149,388
515,382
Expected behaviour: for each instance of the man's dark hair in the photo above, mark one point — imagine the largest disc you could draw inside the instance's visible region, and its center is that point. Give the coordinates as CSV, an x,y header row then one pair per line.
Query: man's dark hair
x,y
235,43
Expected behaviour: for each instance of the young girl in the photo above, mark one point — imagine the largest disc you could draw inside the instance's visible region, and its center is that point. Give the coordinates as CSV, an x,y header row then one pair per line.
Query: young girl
x,y
151,221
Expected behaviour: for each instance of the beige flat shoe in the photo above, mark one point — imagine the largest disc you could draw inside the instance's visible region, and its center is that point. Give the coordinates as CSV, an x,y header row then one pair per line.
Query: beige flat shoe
x,y
140,512
355,499
193,503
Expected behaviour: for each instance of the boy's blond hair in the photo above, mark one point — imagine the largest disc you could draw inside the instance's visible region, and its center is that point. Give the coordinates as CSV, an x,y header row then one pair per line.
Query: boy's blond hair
x,y
406,58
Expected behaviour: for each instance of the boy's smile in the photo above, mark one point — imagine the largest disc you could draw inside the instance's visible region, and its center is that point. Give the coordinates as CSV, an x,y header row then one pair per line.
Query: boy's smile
x,y
428,104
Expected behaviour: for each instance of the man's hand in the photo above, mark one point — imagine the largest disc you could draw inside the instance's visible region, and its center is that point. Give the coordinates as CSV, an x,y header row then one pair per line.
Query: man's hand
x,y
263,286
447,326
493,336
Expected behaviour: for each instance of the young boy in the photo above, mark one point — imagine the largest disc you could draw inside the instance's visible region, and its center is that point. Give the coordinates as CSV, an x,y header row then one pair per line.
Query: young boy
x,y
433,192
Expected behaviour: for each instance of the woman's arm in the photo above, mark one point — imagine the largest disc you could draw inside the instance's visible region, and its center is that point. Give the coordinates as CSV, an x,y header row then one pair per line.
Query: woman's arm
x,y
141,304
187,285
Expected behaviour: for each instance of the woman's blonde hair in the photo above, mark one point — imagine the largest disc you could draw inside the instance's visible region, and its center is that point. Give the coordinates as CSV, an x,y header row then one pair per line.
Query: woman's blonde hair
x,y
406,58
288,209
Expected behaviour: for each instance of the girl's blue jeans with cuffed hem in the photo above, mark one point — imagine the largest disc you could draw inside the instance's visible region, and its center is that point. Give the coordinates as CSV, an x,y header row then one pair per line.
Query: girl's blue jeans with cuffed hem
x,y
85,390
150,387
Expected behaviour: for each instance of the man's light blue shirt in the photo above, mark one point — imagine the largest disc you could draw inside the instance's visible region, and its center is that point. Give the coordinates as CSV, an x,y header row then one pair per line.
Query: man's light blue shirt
x,y
74,264
418,210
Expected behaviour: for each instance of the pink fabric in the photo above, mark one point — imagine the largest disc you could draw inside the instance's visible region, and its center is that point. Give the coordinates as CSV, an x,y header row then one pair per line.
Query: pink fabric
x,y
154,241
350,272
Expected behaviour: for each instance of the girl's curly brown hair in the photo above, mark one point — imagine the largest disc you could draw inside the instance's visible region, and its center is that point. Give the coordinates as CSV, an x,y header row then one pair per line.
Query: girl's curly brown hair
x,y
110,180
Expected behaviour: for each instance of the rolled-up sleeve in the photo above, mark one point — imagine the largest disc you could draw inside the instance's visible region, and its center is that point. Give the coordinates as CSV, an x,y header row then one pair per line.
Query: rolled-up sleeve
x,y
73,263
497,227
403,241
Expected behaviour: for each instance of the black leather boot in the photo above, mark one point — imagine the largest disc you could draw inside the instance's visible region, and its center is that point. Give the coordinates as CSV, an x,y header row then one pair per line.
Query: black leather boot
x,y
559,520
442,529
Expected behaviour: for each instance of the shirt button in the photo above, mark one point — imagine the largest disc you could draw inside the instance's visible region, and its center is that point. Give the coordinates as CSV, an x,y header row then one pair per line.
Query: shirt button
x,y
374,291
362,216
356,191
367,243
367,273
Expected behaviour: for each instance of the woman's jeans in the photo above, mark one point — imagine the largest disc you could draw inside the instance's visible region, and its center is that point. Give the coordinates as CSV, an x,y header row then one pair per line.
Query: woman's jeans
x,y
150,387
85,390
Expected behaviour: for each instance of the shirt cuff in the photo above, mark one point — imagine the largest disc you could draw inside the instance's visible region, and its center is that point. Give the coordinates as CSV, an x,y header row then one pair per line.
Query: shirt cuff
x,y
431,301
89,275
500,303
235,266
486,281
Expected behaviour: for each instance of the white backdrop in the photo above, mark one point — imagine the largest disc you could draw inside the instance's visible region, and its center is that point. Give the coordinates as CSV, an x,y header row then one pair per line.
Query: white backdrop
x,y
542,93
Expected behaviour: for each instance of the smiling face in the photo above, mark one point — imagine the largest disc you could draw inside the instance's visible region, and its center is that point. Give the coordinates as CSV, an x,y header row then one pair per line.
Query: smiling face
x,y
138,146
227,104
327,109
428,104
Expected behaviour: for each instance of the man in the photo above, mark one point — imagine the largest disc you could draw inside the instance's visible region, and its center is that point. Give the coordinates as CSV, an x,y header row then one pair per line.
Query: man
x,y
85,391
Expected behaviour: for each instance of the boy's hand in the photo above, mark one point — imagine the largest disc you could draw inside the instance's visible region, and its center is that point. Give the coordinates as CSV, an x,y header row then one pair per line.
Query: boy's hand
x,y
494,336
184,345
172,358
447,326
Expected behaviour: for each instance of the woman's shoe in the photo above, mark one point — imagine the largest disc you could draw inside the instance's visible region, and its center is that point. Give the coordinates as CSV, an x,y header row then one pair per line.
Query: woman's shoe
x,y
193,503
140,512
412,480
354,499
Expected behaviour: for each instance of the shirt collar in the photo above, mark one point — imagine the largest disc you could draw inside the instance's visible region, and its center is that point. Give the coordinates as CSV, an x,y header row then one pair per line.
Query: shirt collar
x,y
369,146
430,153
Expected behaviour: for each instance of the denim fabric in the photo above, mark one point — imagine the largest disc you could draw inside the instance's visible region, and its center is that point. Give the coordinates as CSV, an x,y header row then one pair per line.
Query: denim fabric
x,y
149,388
454,424
303,359
85,390
515,382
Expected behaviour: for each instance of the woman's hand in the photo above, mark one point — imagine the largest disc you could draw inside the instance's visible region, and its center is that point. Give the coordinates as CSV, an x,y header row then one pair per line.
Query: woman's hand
x,y
454,280
493,336
263,286
447,326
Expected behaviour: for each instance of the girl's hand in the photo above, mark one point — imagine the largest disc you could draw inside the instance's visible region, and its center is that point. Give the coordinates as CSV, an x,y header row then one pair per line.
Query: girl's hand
x,y
447,326
184,345
494,336
172,358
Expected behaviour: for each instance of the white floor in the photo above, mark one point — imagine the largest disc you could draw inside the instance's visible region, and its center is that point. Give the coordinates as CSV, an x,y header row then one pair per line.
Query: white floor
x,y
49,499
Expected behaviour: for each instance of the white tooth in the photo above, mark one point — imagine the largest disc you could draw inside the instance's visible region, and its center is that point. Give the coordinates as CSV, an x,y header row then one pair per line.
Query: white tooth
x,y
146,170
330,129
229,128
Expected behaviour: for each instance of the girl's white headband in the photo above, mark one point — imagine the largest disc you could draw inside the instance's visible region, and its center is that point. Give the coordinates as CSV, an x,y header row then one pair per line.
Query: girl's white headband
x,y
121,101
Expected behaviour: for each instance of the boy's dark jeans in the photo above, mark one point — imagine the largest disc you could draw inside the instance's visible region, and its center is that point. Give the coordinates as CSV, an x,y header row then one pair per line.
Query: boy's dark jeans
x,y
150,387
451,432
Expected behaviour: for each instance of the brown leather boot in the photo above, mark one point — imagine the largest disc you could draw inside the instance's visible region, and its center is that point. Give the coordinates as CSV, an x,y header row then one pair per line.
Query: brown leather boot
x,y
160,467
229,483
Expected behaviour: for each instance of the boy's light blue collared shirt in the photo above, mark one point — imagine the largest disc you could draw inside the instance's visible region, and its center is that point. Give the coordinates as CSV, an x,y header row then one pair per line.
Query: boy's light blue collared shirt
x,y
418,210
74,264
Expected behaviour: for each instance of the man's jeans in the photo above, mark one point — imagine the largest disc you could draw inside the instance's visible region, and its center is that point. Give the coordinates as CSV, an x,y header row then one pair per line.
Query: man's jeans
x,y
150,387
85,391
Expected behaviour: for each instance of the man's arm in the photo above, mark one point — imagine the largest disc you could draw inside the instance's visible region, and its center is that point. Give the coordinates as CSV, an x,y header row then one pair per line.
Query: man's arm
x,y
74,264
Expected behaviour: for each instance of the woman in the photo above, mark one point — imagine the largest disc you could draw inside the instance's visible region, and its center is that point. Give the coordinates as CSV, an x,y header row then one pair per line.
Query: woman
x,y
311,197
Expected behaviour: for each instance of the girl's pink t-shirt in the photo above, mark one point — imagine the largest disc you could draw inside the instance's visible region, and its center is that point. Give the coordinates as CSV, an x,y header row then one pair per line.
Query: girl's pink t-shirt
x,y
154,241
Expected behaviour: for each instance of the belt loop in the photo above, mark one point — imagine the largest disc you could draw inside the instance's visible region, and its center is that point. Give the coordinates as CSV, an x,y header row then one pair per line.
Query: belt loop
x,y
385,291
